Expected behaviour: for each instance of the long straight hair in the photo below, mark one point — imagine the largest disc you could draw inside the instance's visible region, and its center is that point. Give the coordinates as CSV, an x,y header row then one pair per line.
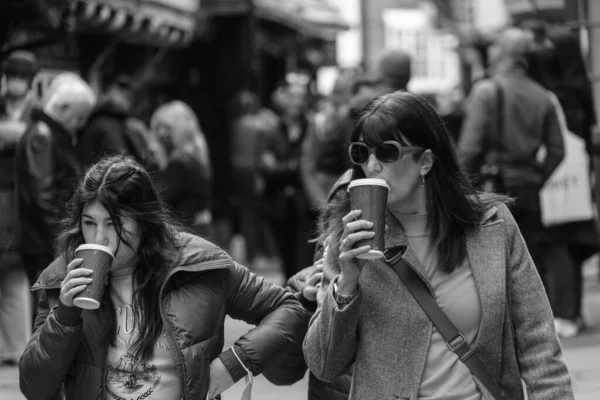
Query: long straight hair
x,y
186,136
455,208
125,189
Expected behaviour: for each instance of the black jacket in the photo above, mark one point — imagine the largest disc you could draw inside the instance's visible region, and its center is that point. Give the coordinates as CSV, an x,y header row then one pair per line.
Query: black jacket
x,y
185,185
46,172
104,133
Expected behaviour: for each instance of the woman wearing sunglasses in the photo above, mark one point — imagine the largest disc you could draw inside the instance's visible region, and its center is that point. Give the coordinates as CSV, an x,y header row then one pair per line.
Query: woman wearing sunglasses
x,y
467,249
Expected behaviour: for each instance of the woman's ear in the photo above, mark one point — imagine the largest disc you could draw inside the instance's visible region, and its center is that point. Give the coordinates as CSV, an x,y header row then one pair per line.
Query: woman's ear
x,y
426,160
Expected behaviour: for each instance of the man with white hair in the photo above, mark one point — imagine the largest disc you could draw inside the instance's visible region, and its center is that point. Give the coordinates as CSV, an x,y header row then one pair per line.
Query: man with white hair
x,y
47,167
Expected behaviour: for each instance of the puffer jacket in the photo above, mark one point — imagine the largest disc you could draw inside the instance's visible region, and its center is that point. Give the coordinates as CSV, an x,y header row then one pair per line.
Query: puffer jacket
x,y
46,172
201,289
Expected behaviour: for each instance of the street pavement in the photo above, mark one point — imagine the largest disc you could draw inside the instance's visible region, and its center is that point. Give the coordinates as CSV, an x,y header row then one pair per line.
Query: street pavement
x,y
582,355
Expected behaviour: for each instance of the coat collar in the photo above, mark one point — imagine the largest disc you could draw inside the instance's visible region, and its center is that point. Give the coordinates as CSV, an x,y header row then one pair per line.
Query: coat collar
x,y
195,255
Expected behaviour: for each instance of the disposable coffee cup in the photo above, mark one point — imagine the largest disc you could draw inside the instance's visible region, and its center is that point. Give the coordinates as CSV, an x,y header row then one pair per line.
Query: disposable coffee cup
x,y
370,196
99,259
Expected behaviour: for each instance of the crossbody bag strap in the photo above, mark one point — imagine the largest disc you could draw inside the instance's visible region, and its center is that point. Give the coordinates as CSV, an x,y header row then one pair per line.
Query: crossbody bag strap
x,y
455,340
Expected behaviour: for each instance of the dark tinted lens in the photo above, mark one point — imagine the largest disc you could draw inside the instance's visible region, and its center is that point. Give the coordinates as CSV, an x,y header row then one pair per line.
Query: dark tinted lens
x,y
387,153
359,153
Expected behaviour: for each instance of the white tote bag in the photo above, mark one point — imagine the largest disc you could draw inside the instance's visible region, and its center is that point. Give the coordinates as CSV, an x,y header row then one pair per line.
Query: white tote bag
x,y
567,196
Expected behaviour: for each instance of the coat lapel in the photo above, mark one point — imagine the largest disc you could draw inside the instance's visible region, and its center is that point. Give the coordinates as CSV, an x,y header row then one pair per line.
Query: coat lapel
x,y
487,254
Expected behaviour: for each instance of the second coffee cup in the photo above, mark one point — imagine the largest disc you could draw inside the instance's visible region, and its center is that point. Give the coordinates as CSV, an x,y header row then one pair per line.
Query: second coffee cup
x,y
370,196
99,259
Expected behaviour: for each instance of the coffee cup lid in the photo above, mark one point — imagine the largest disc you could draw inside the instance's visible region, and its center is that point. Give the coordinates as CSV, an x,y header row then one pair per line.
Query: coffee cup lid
x,y
368,181
88,246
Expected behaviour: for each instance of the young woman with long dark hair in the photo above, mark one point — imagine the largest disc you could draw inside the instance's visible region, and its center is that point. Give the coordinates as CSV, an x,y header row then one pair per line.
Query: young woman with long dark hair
x,y
467,249
158,333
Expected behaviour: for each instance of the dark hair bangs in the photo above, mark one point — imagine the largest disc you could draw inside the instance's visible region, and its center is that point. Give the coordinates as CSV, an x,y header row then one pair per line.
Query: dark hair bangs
x,y
374,128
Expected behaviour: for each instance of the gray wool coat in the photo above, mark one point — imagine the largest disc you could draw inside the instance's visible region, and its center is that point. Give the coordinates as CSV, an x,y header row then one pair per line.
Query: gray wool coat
x,y
385,334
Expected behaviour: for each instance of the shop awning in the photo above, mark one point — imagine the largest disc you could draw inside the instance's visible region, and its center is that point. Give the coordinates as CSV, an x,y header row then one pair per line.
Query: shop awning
x,y
159,22
317,18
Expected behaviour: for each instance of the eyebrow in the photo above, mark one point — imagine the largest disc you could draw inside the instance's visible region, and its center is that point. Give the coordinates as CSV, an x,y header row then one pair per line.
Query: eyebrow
x,y
90,217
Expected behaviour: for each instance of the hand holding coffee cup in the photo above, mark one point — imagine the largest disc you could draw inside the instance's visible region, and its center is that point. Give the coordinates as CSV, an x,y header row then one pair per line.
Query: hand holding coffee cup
x,y
75,282
98,259
370,197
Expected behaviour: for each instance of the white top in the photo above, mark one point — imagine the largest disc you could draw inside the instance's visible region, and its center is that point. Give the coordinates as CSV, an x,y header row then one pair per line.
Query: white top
x,y
129,378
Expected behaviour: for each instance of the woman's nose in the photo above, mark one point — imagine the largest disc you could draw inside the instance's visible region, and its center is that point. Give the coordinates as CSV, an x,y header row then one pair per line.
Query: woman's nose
x,y
373,164
101,237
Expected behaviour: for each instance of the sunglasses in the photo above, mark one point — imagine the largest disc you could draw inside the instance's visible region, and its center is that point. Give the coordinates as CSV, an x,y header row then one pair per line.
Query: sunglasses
x,y
387,152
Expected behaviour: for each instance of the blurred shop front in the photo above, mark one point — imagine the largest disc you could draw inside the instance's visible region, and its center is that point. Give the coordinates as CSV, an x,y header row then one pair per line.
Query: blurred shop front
x,y
294,36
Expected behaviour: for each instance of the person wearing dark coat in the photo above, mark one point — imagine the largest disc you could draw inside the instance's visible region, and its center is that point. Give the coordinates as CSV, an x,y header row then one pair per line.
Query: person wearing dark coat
x,y
105,131
284,199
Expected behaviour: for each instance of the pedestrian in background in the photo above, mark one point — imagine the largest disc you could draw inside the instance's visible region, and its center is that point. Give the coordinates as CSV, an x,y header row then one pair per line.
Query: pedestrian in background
x,y
251,128
516,112
18,73
178,288
105,131
185,183
466,248
556,63
47,167
285,202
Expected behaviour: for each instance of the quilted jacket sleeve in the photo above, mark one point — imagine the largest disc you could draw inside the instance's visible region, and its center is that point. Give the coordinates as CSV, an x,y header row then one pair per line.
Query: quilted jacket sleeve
x,y
50,352
290,366
279,317
539,354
